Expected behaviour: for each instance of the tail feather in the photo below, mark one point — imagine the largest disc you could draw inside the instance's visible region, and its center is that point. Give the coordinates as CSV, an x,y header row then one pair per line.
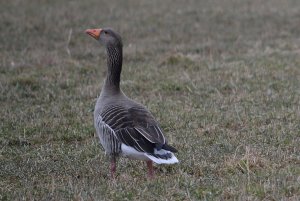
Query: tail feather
x,y
162,156
169,148
157,160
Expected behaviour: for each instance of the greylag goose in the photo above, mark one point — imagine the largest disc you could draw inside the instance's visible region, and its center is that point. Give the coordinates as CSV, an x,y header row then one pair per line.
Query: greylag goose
x,y
125,127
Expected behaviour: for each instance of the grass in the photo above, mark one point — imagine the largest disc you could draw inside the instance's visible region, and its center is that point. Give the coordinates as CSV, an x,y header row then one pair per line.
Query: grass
x,y
222,78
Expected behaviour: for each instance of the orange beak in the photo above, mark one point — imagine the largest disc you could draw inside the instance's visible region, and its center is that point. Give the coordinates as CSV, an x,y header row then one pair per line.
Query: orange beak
x,y
95,33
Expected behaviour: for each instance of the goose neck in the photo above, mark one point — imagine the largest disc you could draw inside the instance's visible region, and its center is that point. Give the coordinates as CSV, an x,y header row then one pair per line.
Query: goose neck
x,y
114,65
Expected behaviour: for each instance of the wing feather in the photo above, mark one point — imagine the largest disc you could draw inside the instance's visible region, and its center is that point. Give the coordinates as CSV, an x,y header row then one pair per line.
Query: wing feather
x,y
107,137
133,126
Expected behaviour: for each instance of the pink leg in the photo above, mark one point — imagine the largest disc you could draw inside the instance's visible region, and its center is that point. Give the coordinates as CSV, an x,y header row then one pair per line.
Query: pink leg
x,y
113,166
150,169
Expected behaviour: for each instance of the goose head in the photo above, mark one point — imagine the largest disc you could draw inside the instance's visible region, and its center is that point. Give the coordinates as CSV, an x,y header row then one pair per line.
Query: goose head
x,y
106,36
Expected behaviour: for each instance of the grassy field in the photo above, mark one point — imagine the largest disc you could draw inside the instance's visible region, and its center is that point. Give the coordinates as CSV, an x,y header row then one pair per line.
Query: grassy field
x,y
222,78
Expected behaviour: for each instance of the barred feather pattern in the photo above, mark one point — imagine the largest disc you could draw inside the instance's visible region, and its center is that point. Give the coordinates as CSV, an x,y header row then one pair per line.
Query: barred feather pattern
x,y
108,140
117,125
116,117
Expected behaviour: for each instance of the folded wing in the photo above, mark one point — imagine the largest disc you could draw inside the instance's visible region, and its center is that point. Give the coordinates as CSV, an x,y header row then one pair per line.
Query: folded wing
x,y
137,128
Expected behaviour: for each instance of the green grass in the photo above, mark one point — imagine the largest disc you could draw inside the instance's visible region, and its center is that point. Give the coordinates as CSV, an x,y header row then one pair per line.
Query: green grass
x,y
222,78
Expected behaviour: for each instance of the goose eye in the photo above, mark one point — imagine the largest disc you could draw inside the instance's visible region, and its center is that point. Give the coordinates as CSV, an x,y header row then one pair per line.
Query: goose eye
x,y
105,32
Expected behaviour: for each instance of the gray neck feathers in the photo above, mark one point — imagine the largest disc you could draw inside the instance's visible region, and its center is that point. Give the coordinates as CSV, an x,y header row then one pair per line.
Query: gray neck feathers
x,y
114,64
